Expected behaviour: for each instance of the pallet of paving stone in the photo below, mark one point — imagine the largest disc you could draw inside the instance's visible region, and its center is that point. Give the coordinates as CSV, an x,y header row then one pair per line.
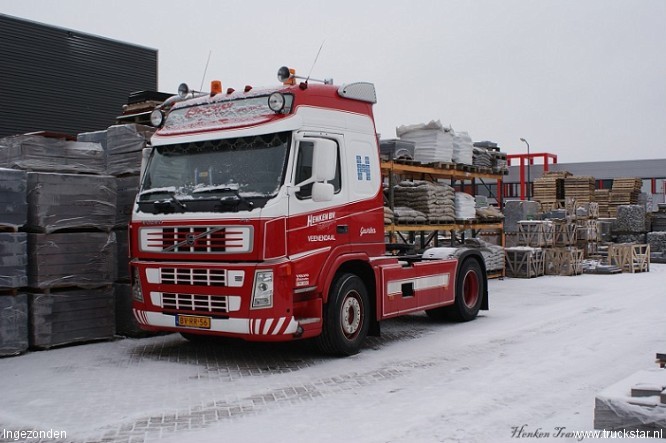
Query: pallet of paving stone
x,y
517,210
70,201
122,255
39,153
13,260
657,241
564,233
124,147
71,315
563,261
633,404
126,189
524,262
536,233
13,204
630,219
85,259
13,324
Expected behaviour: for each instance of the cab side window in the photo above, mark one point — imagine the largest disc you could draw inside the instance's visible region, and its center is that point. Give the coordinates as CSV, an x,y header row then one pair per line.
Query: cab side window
x,y
304,169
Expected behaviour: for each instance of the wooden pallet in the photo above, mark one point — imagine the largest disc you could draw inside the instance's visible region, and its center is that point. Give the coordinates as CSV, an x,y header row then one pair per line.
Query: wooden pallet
x,y
630,257
524,262
563,261
535,233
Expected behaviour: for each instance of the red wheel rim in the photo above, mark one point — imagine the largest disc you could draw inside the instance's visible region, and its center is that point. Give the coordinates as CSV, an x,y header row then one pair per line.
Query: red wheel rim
x,y
471,289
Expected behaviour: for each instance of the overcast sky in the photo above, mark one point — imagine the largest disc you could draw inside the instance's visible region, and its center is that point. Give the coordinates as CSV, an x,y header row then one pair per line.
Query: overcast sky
x,y
583,79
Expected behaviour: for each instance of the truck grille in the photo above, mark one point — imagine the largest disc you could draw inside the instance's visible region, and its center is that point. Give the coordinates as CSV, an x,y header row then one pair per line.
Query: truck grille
x,y
199,239
193,302
193,277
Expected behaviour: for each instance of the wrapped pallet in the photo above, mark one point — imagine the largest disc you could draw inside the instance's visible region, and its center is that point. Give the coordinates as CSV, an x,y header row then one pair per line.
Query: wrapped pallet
x,y
463,150
85,259
70,201
13,205
38,153
433,142
13,324
61,317
124,146
13,260
126,189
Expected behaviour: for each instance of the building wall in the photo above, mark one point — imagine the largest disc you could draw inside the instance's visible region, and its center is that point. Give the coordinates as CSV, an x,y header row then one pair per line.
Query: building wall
x,y
61,80
653,173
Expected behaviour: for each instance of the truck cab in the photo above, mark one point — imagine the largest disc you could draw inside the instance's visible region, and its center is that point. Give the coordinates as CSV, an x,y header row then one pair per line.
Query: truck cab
x,y
260,216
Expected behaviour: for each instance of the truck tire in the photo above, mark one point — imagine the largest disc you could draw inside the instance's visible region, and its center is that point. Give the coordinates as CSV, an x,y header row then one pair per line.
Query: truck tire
x,y
346,320
470,287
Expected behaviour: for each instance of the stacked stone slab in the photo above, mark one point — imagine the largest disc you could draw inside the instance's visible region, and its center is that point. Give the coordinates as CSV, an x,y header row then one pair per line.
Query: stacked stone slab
x,y
124,145
38,153
13,263
71,208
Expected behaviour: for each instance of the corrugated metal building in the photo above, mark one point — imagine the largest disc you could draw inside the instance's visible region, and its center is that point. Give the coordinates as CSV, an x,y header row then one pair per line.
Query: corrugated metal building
x,y
60,80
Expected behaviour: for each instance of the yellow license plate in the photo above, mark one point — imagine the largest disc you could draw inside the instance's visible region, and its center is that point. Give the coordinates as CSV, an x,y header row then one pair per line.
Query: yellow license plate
x,y
193,321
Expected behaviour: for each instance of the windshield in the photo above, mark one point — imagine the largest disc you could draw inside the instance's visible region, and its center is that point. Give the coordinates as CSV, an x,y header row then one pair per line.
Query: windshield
x,y
215,175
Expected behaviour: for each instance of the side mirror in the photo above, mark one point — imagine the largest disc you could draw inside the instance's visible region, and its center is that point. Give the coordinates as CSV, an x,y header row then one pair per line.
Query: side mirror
x,y
324,160
322,192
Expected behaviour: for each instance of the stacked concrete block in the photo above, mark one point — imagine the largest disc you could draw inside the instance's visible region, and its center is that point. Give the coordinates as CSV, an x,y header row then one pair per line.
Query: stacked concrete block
x,y
79,259
13,324
38,153
127,187
124,147
59,202
13,260
73,315
13,205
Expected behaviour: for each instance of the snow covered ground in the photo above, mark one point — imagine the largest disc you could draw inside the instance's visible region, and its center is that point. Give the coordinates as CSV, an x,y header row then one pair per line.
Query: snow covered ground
x,y
535,361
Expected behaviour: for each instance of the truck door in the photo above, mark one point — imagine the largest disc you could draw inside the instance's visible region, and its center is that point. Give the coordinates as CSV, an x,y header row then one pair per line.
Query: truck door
x,y
316,226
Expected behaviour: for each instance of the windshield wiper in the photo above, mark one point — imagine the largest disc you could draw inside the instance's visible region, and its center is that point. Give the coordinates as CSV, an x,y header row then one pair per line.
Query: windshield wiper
x,y
238,197
164,206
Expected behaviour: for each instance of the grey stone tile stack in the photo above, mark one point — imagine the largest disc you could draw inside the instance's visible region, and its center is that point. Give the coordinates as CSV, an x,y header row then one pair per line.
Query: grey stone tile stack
x,y
124,149
38,153
13,263
72,315
517,210
13,324
71,209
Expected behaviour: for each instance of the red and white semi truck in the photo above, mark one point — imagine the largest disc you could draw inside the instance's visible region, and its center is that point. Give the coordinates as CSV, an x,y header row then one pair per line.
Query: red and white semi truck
x,y
261,217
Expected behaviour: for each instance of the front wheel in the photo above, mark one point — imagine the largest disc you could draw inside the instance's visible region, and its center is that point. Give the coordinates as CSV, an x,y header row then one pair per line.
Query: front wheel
x,y
346,319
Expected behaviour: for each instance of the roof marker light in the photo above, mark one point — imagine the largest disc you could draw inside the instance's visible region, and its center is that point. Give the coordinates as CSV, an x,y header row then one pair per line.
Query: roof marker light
x,y
215,87
248,88
230,91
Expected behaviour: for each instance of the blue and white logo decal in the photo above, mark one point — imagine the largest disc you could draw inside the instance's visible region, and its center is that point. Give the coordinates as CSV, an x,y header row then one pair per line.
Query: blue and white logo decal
x,y
363,168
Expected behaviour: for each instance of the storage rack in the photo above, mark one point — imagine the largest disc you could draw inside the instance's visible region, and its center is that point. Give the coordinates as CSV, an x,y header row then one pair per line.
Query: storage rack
x,y
430,232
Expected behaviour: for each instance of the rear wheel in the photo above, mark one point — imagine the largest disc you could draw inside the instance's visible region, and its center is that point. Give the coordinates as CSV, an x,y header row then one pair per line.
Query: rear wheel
x,y
346,319
470,287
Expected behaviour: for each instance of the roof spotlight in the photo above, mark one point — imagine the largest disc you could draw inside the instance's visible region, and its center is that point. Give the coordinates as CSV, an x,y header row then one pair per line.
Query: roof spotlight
x,y
183,90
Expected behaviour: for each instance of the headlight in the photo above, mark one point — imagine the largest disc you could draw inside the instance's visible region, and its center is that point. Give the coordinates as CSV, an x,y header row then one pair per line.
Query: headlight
x,y
262,295
156,118
276,102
